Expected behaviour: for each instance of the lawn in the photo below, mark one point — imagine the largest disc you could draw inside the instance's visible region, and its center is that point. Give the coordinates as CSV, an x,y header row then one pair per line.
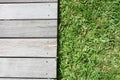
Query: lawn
x,y
89,40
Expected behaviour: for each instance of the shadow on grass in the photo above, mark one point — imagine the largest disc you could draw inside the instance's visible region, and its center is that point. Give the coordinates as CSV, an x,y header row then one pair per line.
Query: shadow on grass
x,y
59,74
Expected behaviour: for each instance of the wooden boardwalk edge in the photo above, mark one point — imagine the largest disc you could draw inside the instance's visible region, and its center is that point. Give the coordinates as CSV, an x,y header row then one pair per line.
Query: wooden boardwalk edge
x,y
28,39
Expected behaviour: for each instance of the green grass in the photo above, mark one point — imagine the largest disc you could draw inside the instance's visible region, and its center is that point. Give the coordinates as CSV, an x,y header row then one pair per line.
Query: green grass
x,y
89,40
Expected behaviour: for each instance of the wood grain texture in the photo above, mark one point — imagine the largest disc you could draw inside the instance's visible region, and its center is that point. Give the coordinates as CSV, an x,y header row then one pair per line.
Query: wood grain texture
x,y
29,28
28,67
28,0
28,11
22,79
28,47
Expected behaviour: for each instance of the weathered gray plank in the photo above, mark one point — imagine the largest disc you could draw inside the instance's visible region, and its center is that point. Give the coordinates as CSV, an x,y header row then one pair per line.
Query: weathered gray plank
x,y
28,28
28,0
23,79
28,47
28,67
28,11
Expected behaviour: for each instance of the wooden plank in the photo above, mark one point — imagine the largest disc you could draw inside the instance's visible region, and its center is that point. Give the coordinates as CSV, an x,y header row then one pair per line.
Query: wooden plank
x,y
28,0
28,47
23,79
28,11
28,67
29,28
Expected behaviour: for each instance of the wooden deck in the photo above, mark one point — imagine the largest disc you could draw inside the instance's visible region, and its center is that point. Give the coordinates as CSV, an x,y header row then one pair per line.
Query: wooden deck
x,y
28,39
